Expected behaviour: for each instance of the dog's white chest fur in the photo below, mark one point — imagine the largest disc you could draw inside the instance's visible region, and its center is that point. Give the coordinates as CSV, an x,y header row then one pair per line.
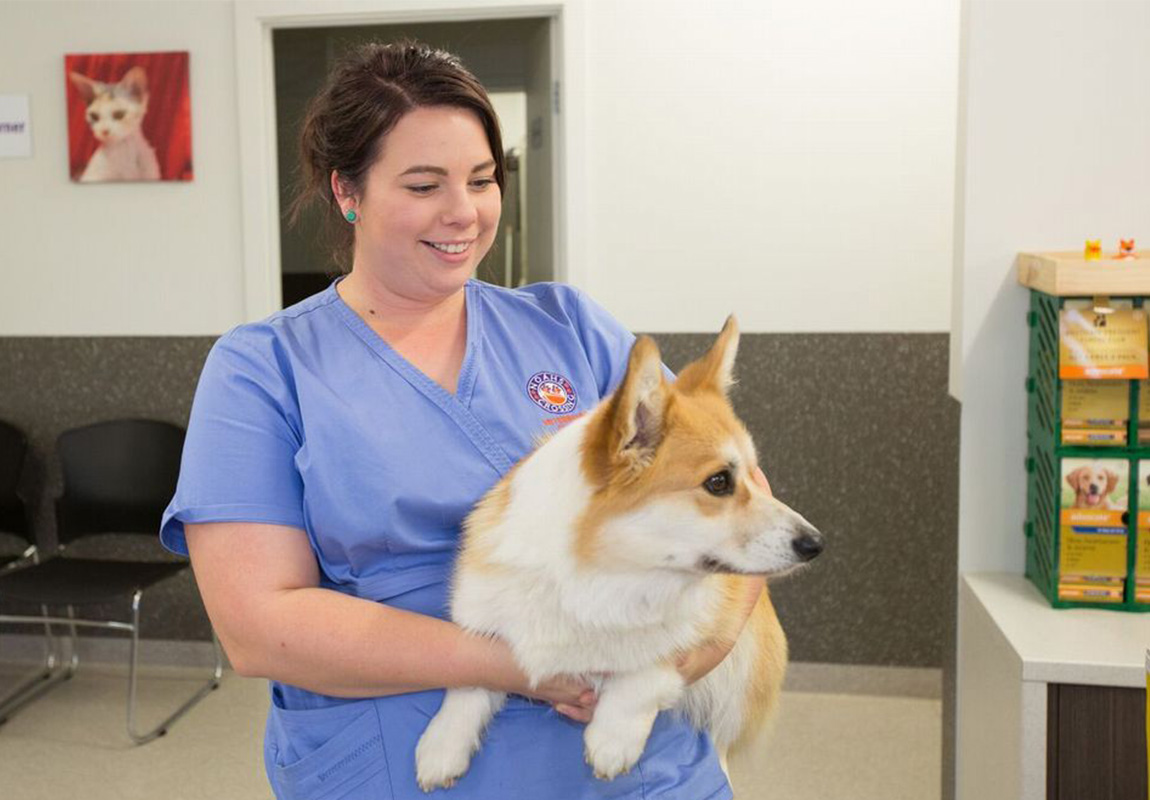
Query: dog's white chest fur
x,y
581,624
558,617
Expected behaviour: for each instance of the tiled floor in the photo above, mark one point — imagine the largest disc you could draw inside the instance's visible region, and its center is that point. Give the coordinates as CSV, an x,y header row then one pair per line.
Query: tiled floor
x,y
72,743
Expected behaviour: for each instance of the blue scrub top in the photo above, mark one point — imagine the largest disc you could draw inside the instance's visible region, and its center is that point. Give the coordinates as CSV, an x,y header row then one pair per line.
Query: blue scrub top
x,y
309,419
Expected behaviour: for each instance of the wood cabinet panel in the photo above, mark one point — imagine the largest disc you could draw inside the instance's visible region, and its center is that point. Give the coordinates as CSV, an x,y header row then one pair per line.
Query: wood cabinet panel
x,y
1096,743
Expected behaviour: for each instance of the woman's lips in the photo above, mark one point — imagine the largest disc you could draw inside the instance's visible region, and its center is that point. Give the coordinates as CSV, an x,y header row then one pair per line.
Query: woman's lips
x,y
451,252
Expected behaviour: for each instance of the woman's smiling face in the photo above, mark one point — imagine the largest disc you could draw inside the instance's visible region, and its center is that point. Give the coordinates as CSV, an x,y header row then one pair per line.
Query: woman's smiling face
x,y
430,204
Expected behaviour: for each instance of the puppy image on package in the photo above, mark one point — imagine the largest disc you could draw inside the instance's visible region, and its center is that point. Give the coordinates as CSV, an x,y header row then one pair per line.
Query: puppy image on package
x,y
1093,486
634,531
1093,530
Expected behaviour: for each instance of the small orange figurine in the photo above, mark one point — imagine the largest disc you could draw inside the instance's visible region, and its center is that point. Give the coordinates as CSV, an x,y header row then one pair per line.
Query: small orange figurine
x,y
1093,250
1126,249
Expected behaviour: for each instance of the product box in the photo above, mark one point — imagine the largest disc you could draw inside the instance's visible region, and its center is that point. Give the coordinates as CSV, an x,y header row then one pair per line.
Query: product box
x,y
1095,412
1093,536
1143,412
1102,341
1142,536
1089,593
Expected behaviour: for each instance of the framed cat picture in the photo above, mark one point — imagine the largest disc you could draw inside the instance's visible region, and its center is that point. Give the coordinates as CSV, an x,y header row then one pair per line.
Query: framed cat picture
x,y
129,117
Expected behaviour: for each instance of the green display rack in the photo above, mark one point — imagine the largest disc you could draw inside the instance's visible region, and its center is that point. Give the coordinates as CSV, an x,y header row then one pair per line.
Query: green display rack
x,y
1045,452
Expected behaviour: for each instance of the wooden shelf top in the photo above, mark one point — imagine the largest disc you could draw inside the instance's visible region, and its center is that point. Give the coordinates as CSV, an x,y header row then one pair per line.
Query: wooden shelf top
x,y
1070,274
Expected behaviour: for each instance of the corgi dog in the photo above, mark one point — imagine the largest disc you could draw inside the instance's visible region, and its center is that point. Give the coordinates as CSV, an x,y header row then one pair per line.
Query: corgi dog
x,y
115,113
622,542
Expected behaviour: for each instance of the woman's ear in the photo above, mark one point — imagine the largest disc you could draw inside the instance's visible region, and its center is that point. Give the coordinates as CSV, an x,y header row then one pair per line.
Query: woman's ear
x,y
340,189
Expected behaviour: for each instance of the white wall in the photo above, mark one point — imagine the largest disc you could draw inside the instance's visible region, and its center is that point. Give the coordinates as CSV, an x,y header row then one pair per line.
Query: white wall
x,y
119,259
786,159
1057,152
791,160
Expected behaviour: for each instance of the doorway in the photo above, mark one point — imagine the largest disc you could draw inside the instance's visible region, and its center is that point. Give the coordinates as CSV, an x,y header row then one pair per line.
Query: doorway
x,y
512,58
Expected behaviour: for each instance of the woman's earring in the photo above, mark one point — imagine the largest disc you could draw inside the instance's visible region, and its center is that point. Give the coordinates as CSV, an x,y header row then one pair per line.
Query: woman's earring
x,y
351,216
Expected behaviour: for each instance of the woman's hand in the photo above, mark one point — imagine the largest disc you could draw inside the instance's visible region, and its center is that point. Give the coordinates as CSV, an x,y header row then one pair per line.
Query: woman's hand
x,y
696,663
570,695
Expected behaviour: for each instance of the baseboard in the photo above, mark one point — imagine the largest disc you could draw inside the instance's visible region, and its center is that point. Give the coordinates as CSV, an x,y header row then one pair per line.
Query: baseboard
x,y
917,682
27,648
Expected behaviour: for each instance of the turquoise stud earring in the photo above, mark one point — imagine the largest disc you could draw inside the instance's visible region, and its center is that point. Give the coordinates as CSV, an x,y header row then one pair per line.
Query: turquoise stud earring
x,y
350,215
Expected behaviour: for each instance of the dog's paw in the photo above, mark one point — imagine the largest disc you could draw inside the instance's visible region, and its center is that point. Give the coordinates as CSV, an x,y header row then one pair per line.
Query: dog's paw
x,y
612,749
441,757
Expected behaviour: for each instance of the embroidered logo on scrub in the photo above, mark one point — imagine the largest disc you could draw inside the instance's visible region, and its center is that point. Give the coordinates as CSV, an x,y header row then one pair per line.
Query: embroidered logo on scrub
x,y
552,392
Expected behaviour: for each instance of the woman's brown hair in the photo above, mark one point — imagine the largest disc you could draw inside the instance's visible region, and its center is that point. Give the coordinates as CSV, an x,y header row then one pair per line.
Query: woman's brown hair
x,y
367,92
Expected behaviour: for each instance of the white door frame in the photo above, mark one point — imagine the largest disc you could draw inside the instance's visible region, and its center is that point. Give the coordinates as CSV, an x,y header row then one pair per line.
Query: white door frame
x,y
254,22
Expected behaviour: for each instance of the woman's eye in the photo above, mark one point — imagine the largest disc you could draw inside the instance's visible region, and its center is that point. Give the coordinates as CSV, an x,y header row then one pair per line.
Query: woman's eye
x,y
483,183
720,484
423,188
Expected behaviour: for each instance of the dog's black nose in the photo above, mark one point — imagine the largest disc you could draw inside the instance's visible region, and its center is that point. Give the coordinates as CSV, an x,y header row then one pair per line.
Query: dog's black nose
x,y
808,544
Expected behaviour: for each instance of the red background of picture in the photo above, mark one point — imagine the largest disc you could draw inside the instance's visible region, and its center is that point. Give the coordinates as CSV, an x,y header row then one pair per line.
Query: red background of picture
x,y
168,123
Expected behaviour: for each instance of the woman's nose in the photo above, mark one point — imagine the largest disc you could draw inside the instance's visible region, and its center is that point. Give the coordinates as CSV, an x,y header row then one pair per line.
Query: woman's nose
x,y
459,208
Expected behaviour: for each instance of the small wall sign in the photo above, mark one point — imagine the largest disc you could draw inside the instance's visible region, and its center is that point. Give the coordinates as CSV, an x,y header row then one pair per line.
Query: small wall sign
x,y
15,126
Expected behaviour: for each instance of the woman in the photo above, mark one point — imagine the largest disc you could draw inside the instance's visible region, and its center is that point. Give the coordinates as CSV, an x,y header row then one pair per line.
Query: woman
x,y
335,448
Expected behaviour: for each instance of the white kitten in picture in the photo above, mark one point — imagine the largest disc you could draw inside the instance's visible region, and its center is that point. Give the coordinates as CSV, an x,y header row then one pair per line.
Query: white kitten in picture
x,y
115,113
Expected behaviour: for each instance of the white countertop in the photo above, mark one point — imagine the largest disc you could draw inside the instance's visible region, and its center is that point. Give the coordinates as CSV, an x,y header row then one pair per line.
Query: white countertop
x,y
1074,645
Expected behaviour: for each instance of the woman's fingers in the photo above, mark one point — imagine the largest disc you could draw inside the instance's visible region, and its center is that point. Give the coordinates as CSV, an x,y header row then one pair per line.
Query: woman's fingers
x,y
581,709
573,712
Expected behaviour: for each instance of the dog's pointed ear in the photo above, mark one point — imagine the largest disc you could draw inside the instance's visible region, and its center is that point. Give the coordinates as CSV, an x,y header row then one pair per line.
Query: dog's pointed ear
x,y
639,405
716,369
1074,477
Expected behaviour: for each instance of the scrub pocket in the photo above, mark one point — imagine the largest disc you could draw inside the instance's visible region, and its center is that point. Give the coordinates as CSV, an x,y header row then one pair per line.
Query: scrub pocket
x,y
332,753
529,752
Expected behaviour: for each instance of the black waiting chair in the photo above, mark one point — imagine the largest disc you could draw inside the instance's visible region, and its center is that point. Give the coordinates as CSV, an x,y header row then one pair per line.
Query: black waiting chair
x,y
13,513
16,528
118,478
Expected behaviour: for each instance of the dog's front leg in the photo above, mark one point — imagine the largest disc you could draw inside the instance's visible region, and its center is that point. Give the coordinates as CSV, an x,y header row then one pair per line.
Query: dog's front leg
x,y
628,704
445,748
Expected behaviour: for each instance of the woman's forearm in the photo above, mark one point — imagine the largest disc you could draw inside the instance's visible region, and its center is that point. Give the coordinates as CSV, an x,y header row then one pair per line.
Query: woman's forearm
x,y
335,644
260,586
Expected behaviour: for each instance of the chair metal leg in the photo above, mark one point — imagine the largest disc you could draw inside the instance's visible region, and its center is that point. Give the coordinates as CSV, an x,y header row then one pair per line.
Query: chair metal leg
x,y
48,675
35,687
162,728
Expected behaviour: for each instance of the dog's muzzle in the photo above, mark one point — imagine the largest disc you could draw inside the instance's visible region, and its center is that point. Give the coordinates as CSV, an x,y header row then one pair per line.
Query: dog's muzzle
x,y
808,544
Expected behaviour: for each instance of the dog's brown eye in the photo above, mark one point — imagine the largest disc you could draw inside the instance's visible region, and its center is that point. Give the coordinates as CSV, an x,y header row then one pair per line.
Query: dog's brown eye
x,y
118,114
720,484
93,116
